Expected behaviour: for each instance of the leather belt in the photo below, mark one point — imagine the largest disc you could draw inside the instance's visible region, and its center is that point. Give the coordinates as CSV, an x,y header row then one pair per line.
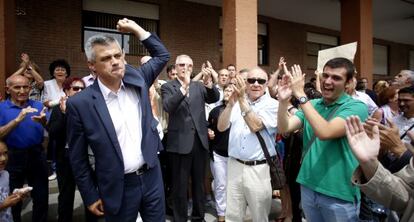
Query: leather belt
x,y
252,162
144,168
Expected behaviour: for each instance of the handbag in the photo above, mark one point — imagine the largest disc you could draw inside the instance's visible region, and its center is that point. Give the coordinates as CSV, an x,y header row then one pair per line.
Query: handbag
x,y
277,174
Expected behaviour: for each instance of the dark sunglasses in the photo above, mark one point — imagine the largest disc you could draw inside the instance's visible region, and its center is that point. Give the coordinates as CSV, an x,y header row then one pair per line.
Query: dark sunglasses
x,y
258,80
77,88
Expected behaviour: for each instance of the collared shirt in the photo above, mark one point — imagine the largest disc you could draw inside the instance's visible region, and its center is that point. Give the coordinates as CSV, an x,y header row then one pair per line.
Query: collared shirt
x,y
404,124
89,80
328,164
125,110
363,97
243,144
28,132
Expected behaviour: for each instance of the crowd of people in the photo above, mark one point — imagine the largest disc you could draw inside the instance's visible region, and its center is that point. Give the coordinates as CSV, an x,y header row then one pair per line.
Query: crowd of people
x,y
139,148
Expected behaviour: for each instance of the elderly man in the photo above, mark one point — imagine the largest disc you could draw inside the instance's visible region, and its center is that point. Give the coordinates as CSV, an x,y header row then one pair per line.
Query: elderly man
x,y
187,141
404,79
113,117
328,162
22,121
248,111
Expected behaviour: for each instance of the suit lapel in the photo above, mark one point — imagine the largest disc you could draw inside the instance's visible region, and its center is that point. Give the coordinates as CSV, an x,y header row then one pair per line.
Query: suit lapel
x,y
103,113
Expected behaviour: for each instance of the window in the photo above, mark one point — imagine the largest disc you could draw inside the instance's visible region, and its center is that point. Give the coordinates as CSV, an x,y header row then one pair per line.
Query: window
x,y
411,63
380,59
314,43
262,45
95,22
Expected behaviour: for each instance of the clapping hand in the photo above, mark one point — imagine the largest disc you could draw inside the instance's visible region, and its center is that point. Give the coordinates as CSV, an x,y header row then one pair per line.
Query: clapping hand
x,y
284,92
365,149
24,112
41,118
297,80
389,136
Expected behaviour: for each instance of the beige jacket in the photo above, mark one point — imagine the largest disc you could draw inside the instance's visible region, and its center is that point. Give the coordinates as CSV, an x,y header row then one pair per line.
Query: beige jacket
x,y
395,191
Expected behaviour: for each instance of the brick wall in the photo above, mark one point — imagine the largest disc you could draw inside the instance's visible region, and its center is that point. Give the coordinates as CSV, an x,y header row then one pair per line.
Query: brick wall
x,y
51,29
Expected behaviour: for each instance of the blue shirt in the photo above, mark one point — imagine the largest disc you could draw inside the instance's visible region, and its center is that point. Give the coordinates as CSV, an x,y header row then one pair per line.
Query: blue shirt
x,y
28,132
243,144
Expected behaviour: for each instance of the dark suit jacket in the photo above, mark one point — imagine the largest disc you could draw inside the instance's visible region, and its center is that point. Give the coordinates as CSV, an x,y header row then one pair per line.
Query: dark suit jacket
x,y
89,123
186,114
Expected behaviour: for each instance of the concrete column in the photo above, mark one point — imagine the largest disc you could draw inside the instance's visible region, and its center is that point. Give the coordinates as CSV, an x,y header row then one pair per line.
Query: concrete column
x,y
7,41
240,33
356,25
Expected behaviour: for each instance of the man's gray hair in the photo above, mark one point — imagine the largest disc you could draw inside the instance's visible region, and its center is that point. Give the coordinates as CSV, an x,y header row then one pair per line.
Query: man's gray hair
x,y
98,40
182,56
410,75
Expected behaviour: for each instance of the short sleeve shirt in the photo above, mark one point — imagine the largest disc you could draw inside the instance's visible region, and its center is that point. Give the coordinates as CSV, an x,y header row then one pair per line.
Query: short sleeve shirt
x,y
5,214
328,165
243,144
28,133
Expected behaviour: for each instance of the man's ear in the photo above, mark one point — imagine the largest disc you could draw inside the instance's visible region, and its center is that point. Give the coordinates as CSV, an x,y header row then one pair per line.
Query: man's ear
x,y
91,66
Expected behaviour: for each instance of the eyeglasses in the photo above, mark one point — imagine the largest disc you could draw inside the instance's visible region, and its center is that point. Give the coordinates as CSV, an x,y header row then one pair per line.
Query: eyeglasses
x,y
77,88
258,80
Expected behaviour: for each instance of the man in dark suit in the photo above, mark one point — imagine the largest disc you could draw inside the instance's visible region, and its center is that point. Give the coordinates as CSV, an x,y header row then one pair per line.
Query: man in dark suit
x,y
113,117
187,142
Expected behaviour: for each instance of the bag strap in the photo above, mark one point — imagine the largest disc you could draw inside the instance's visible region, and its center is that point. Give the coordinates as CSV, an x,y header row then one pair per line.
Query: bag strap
x,y
313,138
405,133
265,151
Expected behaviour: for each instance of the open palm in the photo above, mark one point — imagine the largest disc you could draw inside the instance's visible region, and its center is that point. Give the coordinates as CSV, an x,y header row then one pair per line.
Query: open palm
x,y
284,92
364,148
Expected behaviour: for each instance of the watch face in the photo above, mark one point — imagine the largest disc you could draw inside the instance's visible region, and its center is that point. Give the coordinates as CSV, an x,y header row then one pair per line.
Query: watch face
x,y
303,99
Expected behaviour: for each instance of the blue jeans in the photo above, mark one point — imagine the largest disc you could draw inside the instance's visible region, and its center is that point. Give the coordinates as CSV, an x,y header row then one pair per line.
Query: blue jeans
x,y
319,207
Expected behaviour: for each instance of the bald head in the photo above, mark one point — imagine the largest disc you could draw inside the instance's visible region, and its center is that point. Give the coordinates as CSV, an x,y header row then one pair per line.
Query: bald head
x,y
17,78
256,83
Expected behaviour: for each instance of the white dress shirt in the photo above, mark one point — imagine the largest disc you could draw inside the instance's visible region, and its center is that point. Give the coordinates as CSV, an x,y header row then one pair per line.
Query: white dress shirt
x,y
125,111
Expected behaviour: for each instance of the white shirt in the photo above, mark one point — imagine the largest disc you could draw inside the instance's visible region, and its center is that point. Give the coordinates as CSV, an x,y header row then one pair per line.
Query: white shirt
x,y
52,92
404,124
88,80
363,97
125,111
243,144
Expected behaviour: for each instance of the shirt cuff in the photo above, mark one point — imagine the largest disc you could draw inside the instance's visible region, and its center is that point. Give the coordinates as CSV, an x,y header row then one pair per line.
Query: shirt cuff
x,y
144,36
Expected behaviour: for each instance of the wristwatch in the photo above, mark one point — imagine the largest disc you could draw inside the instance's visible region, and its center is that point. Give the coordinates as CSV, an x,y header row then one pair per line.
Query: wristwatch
x,y
303,99
245,113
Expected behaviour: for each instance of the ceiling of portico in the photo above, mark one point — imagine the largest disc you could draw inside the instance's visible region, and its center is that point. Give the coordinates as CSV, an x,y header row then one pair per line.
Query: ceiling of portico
x,y
393,20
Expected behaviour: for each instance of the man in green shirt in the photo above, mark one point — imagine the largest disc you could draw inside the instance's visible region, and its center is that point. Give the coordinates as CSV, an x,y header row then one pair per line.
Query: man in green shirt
x,y
328,163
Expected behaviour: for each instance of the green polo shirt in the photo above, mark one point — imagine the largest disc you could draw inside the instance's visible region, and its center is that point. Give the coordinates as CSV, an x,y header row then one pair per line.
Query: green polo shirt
x,y
328,165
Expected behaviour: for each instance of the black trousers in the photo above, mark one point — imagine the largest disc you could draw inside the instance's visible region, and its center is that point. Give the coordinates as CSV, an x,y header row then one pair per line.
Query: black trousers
x,y
30,164
183,166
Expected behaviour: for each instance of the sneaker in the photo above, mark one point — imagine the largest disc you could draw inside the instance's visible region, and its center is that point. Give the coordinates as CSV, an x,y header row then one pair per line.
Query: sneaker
x,y
52,177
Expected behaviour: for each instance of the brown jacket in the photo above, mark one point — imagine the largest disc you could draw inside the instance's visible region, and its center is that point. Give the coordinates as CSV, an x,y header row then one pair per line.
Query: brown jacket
x,y
395,191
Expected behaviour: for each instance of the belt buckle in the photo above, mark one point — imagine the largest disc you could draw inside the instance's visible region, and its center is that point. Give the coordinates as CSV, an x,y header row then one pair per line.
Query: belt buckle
x,y
141,170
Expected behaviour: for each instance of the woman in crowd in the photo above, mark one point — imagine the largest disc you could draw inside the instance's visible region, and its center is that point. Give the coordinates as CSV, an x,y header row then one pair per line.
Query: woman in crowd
x,y
388,102
30,70
53,89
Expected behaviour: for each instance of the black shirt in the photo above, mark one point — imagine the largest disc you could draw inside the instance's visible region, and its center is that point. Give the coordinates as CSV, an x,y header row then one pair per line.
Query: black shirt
x,y
220,142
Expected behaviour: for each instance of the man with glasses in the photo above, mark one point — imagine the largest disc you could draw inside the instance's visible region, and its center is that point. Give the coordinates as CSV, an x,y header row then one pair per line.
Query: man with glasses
x,y
22,122
328,163
249,110
187,143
